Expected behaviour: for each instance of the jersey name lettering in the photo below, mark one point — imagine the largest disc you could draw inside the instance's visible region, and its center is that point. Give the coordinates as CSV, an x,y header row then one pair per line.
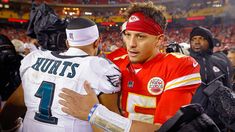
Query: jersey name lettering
x,y
51,66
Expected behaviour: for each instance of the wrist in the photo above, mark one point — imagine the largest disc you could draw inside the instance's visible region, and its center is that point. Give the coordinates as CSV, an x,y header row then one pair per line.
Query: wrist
x,y
108,120
92,111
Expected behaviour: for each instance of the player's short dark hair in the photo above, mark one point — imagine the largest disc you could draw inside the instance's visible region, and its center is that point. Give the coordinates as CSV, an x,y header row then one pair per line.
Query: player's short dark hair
x,y
80,23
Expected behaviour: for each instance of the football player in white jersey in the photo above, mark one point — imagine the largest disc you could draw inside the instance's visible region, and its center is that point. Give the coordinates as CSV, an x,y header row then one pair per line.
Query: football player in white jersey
x,y
45,73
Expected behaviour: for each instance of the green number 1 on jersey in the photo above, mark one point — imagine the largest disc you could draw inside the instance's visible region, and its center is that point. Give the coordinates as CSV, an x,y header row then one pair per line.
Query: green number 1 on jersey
x,y
46,93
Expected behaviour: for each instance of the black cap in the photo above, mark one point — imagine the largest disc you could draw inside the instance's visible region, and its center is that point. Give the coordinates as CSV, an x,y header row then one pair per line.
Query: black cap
x,y
206,33
80,23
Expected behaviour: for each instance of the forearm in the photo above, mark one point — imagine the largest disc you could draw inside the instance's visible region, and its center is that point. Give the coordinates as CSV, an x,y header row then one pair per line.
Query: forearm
x,y
101,117
110,101
110,121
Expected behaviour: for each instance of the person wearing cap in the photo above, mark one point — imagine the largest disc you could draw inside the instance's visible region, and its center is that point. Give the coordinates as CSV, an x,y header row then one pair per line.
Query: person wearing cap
x,y
154,85
220,51
201,49
45,73
212,68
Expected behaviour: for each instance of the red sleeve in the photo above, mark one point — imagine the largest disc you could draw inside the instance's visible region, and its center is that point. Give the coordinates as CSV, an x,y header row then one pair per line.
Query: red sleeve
x,y
183,80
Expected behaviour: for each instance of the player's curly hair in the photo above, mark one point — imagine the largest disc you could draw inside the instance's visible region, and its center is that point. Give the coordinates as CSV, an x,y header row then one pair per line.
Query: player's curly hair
x,y
148,9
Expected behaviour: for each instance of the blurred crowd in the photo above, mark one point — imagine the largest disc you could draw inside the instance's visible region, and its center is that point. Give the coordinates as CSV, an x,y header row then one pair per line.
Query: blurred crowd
x,y
111,39
212,47
23,44
225,33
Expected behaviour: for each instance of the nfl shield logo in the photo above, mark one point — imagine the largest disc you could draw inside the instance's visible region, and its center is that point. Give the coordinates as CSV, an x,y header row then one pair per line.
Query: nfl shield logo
x,y
71,35
130,84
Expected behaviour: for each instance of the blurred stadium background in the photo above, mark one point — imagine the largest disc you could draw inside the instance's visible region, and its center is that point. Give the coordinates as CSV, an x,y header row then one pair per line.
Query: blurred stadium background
x,y
182,16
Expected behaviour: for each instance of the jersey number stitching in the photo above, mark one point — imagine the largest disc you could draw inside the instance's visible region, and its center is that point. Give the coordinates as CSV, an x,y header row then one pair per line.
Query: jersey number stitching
x,y
46,93
143,101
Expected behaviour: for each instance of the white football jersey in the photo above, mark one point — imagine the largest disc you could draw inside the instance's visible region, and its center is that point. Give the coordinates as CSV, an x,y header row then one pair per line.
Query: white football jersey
x,y
45,73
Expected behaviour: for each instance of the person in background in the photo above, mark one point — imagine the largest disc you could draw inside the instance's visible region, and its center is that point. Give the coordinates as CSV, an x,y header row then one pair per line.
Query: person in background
x,y
201,49
212,68
32,45
19,47
24,48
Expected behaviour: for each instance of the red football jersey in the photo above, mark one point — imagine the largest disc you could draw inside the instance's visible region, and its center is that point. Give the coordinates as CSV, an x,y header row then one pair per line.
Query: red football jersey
x,y
153,92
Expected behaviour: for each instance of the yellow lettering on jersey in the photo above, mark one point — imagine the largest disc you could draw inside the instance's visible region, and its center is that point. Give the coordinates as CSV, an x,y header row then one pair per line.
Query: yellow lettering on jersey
x,y
139,100
120,57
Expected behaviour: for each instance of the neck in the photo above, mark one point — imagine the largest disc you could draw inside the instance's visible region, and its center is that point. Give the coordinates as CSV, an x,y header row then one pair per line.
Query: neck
x,y
89,49
154,54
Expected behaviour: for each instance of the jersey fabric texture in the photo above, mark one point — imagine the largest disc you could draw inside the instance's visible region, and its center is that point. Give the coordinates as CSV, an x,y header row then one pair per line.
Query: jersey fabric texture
x,y
45,73
153,91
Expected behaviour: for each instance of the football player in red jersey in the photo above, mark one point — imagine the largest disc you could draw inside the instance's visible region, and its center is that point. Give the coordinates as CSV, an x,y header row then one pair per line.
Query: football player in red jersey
x,y
154,85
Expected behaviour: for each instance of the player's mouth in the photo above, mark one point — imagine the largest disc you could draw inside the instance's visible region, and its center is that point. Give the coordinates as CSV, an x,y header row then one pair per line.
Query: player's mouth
x,y
133,53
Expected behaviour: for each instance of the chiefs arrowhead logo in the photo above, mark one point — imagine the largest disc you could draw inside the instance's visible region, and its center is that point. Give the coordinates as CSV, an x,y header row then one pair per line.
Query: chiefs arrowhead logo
x,y
133,19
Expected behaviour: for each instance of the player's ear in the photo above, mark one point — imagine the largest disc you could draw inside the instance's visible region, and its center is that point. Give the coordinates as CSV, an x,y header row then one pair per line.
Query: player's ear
x,y
161,37
159,40
97,42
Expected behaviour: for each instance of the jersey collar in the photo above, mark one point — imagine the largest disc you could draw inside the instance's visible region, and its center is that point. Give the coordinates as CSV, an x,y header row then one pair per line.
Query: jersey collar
x,y
74,51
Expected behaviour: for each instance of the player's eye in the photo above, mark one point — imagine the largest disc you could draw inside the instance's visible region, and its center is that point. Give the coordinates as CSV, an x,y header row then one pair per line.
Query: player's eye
x,y
139,36
127,34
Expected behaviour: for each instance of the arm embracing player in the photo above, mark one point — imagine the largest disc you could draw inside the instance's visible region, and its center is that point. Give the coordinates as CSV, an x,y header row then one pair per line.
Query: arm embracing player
x,y
105,81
